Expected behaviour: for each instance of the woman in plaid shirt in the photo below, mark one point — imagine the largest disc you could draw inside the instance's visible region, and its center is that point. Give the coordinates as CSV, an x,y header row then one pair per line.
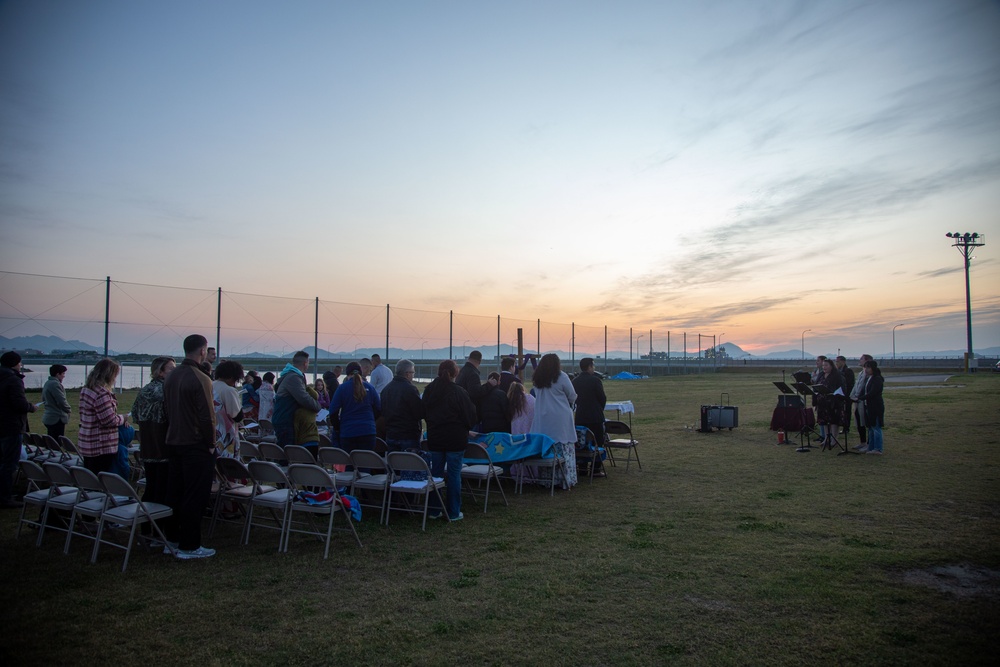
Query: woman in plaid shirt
x,y
99,418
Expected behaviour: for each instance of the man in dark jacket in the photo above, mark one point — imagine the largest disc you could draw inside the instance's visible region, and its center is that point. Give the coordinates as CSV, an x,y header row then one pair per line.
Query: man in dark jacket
x,y
402,409
14,409
590,399
494,410
190,413
468,379
450,414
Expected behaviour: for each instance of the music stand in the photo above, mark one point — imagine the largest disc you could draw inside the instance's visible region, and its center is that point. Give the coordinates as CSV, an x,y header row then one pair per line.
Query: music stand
x,y
806,432
783,388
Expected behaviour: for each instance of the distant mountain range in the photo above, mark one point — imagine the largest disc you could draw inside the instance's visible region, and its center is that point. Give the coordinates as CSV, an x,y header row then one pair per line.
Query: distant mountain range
x,y
48,344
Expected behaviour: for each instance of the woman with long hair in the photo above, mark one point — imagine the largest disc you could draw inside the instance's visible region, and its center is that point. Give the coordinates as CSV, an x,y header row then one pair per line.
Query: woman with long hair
x,y
353,410
449,414
228,407
874,406
99,418
521,406
554,400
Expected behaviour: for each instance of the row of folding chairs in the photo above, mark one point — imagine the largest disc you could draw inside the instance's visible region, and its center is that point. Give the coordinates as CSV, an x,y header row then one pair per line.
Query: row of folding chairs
x,y
93,504
264,487
369,472
41,447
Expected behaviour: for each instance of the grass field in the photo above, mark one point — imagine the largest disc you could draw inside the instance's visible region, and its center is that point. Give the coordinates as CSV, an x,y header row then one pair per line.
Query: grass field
x,y
724,549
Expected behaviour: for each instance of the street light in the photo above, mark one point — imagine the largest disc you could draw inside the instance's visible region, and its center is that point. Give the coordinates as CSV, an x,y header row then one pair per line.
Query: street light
x,y
966,243
894,342
719,347
804,343
422,349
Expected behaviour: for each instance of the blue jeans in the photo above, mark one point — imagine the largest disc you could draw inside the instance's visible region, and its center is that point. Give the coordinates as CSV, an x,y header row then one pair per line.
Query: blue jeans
x,y
10,454
452,479
875,438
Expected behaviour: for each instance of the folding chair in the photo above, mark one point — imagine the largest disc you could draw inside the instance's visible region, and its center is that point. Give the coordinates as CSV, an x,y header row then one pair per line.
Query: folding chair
x,y
57,451
588,450
249,451
333,457
67,446
63,495
36,495
299,454
267,431
275,453
381,447
90,504
556,461
310,476
267,473
480,468
324,441
235,485
374,482
130,514
400,462
629,442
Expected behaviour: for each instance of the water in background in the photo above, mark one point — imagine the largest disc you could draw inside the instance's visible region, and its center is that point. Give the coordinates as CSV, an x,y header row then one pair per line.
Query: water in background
x,y
131,377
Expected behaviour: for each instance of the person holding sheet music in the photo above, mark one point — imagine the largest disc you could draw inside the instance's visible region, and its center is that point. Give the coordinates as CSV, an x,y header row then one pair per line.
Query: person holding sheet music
x,y
829,406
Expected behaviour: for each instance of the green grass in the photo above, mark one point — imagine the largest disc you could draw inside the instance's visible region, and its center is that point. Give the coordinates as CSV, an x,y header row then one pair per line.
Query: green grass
x,y
725,549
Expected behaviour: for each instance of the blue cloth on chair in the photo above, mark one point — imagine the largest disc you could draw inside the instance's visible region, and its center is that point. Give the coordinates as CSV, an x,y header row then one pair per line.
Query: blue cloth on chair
x,y
504,447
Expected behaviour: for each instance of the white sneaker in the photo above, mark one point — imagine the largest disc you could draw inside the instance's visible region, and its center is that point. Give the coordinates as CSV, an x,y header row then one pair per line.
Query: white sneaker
x,y
200,552
458,518
166,548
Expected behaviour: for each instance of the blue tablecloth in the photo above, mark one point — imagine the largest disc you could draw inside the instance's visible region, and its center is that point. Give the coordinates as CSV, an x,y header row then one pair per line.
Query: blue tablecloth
x,y
504,447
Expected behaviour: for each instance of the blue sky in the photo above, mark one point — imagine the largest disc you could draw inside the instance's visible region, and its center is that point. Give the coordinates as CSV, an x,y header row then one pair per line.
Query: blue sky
x,y
757,168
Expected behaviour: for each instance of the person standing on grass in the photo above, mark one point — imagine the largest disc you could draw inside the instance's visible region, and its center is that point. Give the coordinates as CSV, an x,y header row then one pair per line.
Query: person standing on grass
x,y
847,376
402,410
871,395
554,400
590,403
290,394
228,407
381,376
188,403
266,394
353,410
14,409
149,415
57,408
450,414
494,410
859,406
468,379
99,418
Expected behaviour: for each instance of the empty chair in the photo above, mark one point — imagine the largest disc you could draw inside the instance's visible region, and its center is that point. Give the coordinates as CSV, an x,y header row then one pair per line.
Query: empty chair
x,y
310,476
236,486
36,495
400,462
480,469
273,452
74,456
627,442
249,451
267,474
63,495
90,504
128,514
374,482
299,454
333,458
324,440
380,446
267,431
59,454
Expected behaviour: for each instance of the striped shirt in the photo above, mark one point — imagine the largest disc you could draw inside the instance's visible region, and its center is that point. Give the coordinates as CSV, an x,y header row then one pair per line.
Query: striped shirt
x,y
99,422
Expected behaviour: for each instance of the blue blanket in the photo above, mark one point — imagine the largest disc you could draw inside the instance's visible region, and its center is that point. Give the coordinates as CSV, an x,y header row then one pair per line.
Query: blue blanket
x,y
504,447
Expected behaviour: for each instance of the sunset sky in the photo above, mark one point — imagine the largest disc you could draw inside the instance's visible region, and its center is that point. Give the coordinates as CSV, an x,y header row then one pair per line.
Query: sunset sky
x,y
752,168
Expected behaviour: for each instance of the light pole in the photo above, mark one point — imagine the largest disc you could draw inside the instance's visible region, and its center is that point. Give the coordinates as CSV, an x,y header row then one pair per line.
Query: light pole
x,y
637,339
894,342
804,343
966,244
717,349
422,349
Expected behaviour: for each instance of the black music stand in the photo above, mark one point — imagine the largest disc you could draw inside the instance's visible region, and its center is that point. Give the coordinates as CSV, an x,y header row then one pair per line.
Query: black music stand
x,y
804,435
783,388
